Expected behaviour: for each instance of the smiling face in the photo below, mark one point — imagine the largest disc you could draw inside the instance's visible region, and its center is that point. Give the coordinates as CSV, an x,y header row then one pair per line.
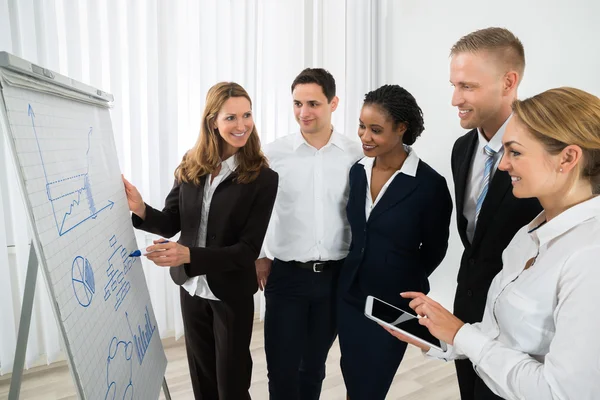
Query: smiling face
x,y
377,133
534,172
311,108
479,91
234,123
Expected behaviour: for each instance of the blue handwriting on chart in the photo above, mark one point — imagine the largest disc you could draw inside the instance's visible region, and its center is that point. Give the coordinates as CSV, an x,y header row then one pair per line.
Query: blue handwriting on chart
x,y
119,370
117,282
142,337
82,276
66,193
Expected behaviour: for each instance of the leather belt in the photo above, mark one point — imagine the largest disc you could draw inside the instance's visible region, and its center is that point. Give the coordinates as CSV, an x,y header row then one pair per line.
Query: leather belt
x,y
315,266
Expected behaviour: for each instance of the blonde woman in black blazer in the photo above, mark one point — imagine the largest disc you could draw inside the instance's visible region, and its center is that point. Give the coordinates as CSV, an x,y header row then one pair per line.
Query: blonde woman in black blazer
x,y
221,203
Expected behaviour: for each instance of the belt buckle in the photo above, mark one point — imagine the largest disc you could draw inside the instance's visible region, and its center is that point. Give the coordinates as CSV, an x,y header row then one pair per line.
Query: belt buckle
x,y
317,265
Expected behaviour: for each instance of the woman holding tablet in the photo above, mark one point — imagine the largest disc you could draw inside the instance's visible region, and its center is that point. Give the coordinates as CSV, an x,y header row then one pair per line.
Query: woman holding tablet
x,y
539,334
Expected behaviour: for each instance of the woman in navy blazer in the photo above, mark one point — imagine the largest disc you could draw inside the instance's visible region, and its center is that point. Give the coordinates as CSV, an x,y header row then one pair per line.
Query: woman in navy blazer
x,y
399,211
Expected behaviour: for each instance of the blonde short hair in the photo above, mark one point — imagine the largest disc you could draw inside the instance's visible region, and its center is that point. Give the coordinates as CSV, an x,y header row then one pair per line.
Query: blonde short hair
x,y
500,42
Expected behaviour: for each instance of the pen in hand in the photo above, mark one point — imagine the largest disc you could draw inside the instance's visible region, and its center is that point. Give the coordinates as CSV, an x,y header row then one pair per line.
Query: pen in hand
x,y
138,253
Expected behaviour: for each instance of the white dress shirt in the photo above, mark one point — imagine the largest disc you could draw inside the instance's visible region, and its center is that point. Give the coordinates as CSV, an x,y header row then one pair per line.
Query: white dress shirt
x,y
475,178
198,285
309,217
408,168
539,338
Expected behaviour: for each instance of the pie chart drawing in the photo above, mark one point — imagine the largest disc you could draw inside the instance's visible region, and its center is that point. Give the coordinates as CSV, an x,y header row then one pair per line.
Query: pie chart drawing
x,y
82,277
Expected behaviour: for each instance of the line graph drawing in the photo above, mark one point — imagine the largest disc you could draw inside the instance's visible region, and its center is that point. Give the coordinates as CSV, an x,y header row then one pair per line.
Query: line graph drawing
x,y
119,384
82,276
67,193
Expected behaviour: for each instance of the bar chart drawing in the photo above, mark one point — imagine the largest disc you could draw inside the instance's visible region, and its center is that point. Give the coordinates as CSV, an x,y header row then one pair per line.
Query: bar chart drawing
x,y
67,194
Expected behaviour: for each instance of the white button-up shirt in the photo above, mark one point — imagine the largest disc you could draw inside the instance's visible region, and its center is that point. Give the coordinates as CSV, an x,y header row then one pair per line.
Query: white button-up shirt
x,y
539,338
198,285
475,178
309,217
408,168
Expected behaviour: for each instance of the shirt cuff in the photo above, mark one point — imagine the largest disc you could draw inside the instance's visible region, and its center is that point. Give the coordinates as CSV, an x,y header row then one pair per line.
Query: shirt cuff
x,y
448,355
471,342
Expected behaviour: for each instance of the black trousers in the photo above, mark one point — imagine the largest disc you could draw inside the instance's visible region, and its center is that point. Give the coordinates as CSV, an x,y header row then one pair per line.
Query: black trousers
x,y
370,355
217,339
470,384
300,327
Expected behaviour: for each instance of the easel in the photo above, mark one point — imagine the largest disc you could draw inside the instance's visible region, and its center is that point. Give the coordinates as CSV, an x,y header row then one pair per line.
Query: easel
x,y
24,325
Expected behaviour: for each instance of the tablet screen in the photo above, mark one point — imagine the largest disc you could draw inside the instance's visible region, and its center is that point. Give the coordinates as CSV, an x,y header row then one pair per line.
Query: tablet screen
x,y
403,320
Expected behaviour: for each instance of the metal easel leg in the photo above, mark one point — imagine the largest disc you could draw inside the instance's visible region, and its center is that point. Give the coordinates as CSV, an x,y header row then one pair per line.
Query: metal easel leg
x,y
24,324
166,389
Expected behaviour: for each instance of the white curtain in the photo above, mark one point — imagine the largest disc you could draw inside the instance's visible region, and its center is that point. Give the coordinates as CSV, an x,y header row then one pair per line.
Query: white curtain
x,y
158,58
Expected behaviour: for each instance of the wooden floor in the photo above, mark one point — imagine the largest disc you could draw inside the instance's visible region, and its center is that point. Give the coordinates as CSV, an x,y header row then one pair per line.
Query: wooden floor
x,y
417,378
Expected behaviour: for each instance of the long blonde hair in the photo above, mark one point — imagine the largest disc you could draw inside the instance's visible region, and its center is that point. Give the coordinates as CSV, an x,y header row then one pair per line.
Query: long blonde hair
x,y
562,117
205,157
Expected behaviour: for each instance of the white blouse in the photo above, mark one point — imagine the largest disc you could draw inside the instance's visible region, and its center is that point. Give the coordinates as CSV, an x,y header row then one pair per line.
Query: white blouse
x,y
540,334
198,285
409,167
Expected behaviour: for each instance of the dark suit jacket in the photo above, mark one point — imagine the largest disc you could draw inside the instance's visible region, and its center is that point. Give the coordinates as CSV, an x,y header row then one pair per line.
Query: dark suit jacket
x,y
237,222
402,242
501,216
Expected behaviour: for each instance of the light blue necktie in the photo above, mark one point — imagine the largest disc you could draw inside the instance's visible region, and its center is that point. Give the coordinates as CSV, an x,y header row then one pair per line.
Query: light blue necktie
x,y
487,172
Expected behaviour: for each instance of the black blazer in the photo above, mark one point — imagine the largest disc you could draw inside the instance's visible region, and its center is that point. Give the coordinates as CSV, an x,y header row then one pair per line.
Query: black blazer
x,y
501,216
402,242
237,222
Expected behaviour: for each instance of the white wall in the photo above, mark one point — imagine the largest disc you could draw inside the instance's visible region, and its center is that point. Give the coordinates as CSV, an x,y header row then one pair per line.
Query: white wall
x,y
561,40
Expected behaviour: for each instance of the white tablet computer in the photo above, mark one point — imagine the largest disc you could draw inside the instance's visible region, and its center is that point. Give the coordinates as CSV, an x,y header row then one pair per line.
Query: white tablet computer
x,y
403,321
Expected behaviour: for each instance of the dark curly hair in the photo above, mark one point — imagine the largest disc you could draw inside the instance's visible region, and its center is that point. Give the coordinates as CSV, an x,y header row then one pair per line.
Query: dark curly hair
x,y
401,107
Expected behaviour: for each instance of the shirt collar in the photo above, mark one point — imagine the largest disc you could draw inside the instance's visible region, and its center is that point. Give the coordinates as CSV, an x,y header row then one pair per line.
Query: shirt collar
x,y
408,168
496,142
231,163
563,222
335,139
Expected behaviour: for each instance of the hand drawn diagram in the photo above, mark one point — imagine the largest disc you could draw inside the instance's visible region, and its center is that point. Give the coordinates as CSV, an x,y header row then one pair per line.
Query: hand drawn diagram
x,y
119,370
117,282
82,276
142,337
65,194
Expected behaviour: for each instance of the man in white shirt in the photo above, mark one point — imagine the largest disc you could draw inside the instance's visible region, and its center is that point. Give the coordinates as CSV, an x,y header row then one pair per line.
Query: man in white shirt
x,y
307,240
486,68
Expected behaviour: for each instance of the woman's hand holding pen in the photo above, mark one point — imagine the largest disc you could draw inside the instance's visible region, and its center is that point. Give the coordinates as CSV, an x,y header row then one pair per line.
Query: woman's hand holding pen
x,y
134,199
168,254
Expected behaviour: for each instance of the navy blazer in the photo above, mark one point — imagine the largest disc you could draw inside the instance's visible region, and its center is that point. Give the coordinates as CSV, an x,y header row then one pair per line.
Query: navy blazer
x,y
402,242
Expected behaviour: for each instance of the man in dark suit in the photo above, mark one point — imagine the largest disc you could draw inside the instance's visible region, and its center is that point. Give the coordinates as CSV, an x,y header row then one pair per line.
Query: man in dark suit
x,y
486,68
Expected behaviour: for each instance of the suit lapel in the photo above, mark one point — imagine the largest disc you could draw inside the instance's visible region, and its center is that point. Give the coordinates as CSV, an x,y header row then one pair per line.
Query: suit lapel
x,y
198,194
361,187
402,186
194,195
499,188
463,170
